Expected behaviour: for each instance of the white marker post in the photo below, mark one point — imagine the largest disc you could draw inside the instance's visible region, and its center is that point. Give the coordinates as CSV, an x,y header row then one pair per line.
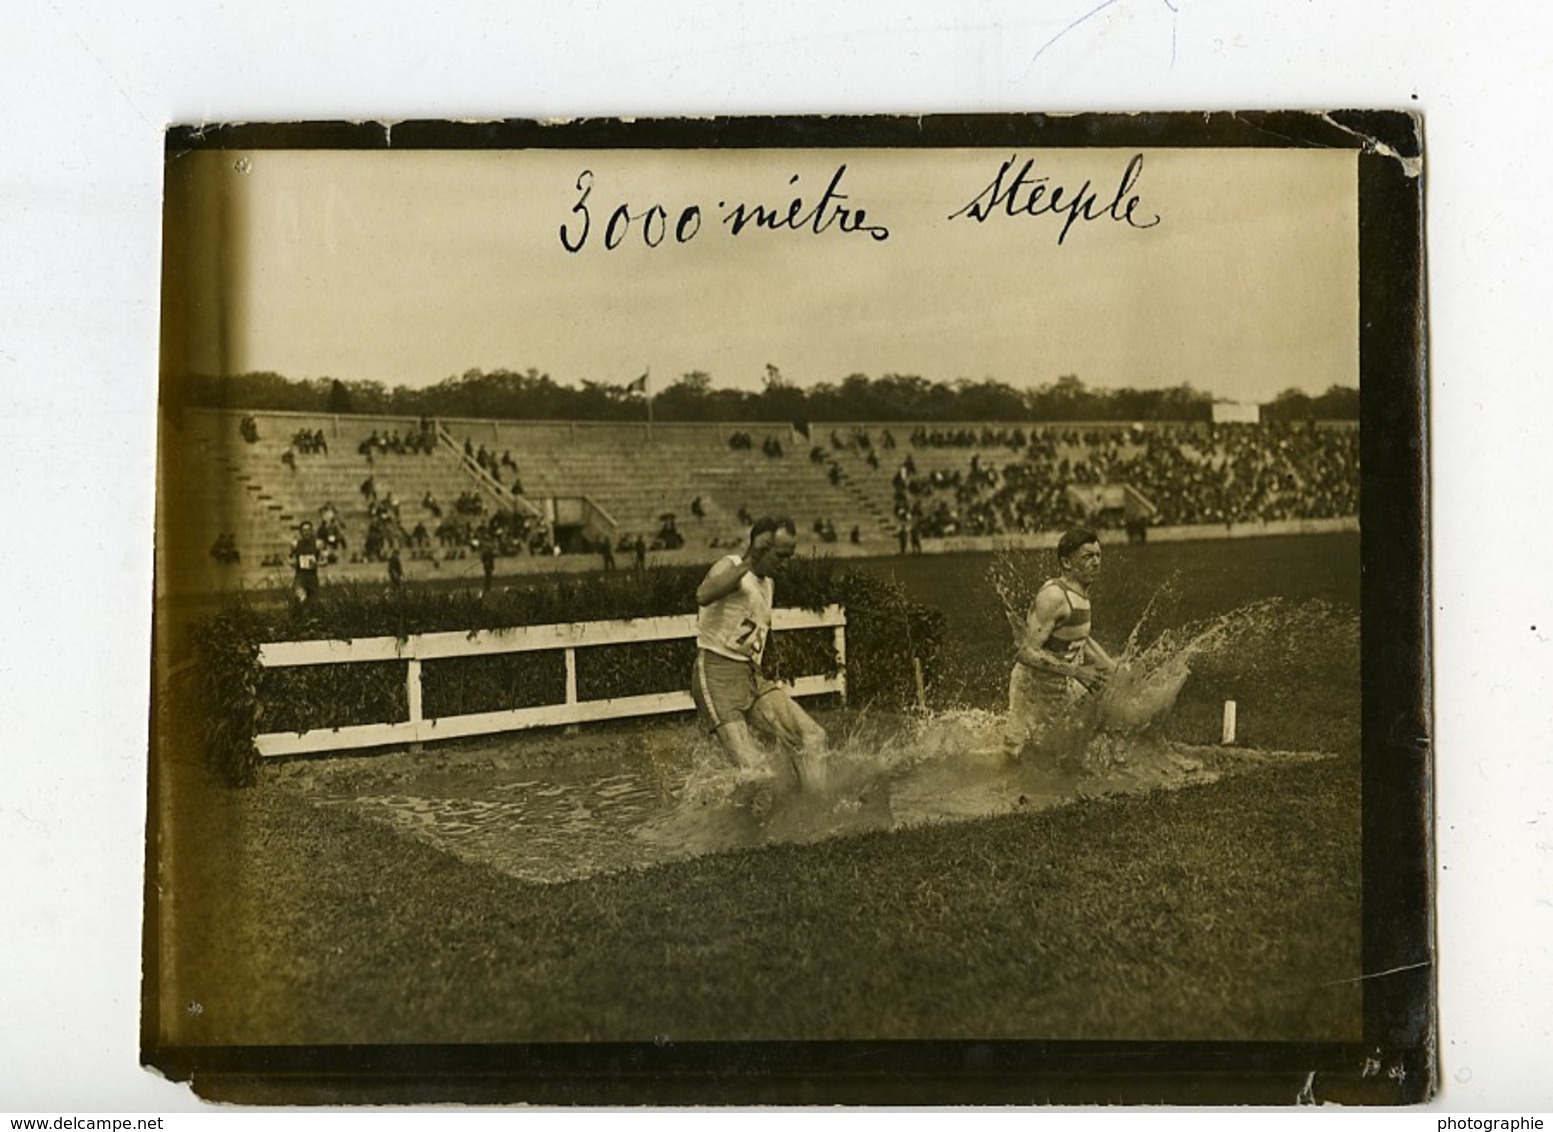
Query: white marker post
x,y
1229,723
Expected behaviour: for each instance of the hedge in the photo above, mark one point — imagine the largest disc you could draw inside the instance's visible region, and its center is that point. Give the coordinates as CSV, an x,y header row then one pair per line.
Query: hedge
x,y
241,699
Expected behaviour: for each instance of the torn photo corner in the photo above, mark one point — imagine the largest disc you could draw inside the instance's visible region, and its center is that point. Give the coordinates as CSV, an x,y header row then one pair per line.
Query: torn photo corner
x,y
768,611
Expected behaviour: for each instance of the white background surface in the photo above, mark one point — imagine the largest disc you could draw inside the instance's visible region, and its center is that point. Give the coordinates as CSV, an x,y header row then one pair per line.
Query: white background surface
x,y
86,89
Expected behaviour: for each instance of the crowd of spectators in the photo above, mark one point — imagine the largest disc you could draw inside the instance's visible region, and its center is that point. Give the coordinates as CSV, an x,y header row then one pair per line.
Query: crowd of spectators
x,y
421,442
741,441
1242,473
859,439
497,467
986,437
998,481
503,534
1198,474
634,545
331,533
310,442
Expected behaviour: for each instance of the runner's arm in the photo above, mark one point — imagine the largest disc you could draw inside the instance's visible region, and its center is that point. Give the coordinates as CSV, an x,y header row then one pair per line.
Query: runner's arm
x,y
1101,657
724,576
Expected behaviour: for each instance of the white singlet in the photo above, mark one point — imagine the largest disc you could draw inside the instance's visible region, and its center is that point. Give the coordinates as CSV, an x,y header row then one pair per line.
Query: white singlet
x,y
736,626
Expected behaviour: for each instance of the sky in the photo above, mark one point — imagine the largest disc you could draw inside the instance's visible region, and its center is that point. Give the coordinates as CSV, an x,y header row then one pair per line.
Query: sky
x,y
409,267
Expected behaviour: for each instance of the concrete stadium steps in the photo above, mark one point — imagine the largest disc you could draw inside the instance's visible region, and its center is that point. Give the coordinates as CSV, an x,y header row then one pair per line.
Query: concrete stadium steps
x,y
637,485
202,494
227,484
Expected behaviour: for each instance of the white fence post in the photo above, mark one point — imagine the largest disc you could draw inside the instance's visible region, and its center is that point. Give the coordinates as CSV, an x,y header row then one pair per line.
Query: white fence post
x,y
412,689
841,660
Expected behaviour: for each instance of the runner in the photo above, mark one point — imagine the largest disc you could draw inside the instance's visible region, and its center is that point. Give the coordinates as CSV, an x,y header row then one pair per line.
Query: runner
x,y
733,621
304,558
1058,663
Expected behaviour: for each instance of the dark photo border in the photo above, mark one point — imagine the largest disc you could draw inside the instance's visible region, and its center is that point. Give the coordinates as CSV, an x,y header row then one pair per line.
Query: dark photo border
x,y
1396,1061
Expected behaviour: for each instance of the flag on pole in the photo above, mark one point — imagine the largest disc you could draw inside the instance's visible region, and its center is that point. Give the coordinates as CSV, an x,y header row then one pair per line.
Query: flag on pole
x,y
638,386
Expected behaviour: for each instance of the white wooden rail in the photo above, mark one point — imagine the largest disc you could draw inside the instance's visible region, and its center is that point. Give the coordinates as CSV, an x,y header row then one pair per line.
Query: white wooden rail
x,y
567,638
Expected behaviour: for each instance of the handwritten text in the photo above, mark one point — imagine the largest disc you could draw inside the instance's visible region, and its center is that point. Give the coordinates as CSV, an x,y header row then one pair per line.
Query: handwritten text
x,y
657,224
1022,193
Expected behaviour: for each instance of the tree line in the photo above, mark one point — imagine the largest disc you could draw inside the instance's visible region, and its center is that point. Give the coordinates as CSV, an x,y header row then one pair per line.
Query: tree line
x,y
532,395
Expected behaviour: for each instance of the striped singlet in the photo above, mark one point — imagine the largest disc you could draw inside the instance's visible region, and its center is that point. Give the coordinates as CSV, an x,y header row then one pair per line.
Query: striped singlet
x,y
1069,634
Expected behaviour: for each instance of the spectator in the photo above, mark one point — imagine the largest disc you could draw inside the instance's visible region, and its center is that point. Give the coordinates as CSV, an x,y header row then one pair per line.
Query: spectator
x,y
224,549
487,564
668,537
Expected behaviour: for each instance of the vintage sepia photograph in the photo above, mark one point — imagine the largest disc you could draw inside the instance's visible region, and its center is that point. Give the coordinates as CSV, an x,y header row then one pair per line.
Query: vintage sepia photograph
x,y
792,611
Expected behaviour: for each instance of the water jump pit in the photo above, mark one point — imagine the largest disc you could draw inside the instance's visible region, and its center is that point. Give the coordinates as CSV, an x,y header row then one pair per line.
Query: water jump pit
x,y
560,807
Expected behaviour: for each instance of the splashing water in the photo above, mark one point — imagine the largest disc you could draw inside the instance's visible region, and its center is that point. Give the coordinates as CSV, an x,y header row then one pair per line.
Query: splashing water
x,y
564,822
666,793
1149,678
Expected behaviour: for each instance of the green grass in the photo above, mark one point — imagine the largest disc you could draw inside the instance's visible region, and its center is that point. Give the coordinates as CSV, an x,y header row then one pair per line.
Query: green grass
x,y
1225,911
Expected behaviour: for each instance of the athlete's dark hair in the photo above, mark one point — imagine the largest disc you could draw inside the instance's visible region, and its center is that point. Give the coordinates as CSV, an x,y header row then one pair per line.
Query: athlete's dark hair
x,y
1072,539
769,523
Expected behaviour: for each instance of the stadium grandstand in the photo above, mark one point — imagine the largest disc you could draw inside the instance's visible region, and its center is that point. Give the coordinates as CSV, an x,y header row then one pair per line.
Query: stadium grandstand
x,y
546,495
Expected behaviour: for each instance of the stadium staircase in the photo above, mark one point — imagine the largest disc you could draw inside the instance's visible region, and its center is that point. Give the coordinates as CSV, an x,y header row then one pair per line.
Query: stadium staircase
x,y
631,479
640,478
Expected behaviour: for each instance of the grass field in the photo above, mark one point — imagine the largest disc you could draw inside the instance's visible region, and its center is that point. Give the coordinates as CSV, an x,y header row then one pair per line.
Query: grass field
x,y
1228,910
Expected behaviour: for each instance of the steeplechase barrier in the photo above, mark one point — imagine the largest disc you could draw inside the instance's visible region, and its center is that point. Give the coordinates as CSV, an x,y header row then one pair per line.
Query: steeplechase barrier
x,y
417,649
